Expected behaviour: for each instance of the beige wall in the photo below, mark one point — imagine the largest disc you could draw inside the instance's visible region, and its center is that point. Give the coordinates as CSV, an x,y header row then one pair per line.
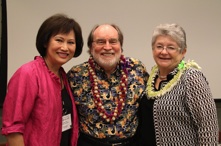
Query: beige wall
x,y
200,18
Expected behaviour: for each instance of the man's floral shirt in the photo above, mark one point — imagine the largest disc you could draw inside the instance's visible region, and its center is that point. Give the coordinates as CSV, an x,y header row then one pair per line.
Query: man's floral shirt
x,y
90,121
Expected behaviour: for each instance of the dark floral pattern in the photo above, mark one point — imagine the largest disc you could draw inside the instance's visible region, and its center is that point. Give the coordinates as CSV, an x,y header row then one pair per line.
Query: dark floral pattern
x,y
90,121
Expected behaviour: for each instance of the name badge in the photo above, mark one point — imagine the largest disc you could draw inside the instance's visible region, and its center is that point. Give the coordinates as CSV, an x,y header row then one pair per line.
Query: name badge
x,y
66,122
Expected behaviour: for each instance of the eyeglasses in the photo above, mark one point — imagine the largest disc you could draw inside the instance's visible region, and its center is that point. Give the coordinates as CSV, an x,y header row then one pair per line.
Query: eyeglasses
x,y
102,42
169,49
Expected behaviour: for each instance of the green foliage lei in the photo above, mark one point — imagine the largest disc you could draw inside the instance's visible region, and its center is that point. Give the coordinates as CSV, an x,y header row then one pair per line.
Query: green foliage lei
x,y
152,94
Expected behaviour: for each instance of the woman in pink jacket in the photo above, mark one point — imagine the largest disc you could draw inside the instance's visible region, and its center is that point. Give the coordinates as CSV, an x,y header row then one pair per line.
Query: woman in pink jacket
x,y
39,108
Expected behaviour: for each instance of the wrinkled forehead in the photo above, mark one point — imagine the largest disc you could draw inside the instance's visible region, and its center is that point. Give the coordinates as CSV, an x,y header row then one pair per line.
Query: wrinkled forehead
x,y
105,32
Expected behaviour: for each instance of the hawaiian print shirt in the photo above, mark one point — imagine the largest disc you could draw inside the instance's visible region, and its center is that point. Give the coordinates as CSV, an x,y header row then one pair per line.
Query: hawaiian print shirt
x,y
91,122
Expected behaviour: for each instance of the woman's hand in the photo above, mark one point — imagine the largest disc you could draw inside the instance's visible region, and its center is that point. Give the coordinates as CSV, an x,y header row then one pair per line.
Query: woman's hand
x,y
15,139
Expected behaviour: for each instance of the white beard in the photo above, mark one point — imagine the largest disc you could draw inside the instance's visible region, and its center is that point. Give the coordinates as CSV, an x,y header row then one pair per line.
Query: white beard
x,y
106,63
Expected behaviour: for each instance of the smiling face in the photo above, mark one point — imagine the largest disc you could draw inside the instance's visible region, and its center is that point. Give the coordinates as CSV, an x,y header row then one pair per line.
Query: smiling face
x,y
60,49
167,59
106,48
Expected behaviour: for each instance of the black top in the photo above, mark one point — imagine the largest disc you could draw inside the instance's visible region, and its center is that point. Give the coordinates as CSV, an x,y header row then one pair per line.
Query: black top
x,y
147,133
67,109
147,129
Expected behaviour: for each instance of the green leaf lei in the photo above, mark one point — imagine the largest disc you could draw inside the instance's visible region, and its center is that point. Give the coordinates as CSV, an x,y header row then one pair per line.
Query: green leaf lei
x,y
152,94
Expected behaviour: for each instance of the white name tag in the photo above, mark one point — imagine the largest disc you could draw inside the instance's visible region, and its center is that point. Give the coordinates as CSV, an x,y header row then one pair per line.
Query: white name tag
x,y
66,122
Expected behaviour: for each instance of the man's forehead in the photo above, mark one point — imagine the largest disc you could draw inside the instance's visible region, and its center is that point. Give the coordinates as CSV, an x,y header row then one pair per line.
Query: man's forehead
x,y
106,31
105,28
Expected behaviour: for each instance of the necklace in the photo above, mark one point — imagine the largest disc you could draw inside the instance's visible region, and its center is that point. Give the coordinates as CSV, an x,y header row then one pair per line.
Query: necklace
x,y
162,77
152,94
120,101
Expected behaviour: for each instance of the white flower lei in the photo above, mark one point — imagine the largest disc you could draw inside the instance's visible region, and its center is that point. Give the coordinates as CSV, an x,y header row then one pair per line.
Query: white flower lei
x,y
152,94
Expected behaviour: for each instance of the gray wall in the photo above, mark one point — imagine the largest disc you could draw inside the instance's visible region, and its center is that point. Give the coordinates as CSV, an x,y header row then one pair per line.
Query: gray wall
x,y
200,18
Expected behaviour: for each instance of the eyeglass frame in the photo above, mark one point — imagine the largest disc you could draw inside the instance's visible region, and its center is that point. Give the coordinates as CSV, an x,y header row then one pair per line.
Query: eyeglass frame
x,y
103,42
169,49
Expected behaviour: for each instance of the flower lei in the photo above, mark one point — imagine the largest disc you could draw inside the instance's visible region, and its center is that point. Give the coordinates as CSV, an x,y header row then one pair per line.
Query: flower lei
x,y
152,94
120,102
